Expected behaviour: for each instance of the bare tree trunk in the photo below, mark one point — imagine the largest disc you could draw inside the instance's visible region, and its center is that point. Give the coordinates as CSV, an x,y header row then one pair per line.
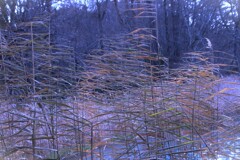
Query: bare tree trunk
x,y
236,35
101,8
175,13
166,28
235,46
4,14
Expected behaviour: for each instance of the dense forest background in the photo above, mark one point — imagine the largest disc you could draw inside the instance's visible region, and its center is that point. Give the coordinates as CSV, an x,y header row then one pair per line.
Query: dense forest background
x,y
119,79
182,26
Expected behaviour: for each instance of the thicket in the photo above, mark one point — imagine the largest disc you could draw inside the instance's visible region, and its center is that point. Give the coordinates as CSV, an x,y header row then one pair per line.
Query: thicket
x,y
124,103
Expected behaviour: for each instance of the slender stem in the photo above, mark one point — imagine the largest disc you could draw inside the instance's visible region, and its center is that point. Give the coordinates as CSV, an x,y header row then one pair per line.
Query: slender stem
x,y
34,92
92,158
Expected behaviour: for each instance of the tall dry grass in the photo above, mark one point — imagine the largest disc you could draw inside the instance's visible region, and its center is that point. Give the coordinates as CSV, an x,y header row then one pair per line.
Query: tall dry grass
x,y
126,104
